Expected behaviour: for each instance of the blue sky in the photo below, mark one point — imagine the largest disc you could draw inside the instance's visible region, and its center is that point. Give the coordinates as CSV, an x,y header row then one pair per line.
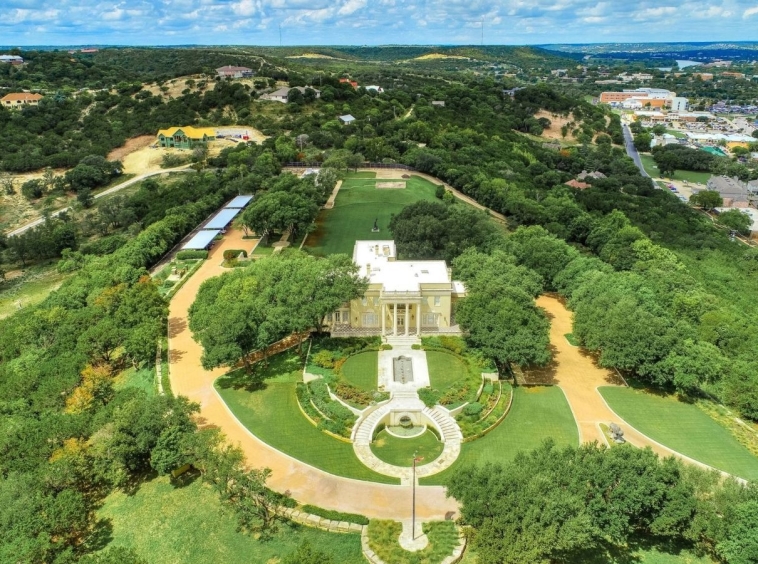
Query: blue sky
x,y
373,22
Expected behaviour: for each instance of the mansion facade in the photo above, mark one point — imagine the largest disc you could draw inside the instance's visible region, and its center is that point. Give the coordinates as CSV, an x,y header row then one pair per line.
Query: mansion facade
x,y
404,297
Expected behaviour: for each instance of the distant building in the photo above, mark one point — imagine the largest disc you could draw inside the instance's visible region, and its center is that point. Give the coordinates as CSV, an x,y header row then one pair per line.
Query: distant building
x,y
11,59
559,72
230,71
20,99
438,103
282,95
347,119
635,77
733,191
89,50
705,76
512,91
639,98
679,104
752,213
578,185
595,174
733,74
352,83
185,137
375,88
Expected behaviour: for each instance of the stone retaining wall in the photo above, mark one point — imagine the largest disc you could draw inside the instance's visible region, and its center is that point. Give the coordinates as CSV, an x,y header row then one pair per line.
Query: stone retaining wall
x,y
310,520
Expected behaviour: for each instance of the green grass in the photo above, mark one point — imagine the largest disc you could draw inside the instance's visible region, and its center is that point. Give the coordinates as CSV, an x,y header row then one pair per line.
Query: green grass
x,y
384,535
571,339
267,405
690,176
29,289
537,413
143,379
358,204
445,369
188,525
683,428
400,451
362,370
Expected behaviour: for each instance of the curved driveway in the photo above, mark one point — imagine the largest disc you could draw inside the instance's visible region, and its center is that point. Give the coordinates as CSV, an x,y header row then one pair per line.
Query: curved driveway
x,y
304,482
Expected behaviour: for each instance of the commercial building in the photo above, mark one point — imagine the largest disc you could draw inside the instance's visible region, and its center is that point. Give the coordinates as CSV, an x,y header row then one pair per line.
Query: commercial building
x,y
639,98
679,104
185,137
18,100
11,59
733,191
230,71
404,297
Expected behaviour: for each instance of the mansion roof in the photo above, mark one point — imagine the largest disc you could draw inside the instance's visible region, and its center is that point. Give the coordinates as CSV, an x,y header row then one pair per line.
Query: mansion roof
x,y
377,261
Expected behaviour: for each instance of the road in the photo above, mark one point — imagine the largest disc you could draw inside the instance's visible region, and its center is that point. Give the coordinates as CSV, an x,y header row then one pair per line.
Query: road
x,y
107,192
632,151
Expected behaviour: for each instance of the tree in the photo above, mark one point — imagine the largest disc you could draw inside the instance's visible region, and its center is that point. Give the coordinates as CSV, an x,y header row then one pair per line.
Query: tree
x,y
737,220
741,544
707,199
278,211
33,189
642,142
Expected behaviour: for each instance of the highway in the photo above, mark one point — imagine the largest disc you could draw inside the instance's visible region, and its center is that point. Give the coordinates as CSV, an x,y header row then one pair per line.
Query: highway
x,y
632,151
107,192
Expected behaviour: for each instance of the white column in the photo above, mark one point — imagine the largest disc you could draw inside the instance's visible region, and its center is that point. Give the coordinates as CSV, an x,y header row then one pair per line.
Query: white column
x,y
394,322
407,317
418,320
383,309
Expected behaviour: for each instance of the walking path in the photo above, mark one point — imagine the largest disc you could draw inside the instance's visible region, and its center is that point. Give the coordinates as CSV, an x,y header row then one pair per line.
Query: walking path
x,y
107,192
574,371
304,482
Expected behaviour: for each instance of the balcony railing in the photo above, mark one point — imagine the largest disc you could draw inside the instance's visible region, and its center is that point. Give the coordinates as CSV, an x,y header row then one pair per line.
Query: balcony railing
x,y
399,295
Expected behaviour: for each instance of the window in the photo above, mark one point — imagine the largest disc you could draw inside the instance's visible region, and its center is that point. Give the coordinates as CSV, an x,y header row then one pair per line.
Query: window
x,y
370,320
429,319
337,316
376,300
437,300
364,301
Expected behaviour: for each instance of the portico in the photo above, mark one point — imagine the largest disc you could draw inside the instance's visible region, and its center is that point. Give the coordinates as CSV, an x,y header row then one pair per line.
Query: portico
x,y
402,315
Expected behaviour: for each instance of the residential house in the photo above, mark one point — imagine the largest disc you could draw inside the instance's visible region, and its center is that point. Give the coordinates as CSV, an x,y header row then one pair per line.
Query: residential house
x,y
438,103
578,185
11,59
352,83
347,119
595,174
185,137
282,95
404,297
18,100
375,88
230,71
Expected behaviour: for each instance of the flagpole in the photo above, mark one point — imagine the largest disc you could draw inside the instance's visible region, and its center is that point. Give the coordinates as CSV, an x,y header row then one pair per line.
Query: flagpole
x,y
413,511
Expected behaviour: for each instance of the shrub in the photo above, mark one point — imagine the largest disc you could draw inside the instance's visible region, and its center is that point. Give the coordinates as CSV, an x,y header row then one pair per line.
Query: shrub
x,y
171,160
473,409
231,254
104,246
324,359
350,393
188,255
439,192
429,396
387,347
335,515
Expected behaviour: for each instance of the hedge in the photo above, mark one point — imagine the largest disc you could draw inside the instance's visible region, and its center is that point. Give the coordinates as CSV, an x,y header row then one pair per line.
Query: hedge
x,y
231,254
187,255
335,515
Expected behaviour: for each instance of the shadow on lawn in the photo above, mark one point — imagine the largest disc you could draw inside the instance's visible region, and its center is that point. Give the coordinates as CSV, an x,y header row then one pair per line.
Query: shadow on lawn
x,y
630,554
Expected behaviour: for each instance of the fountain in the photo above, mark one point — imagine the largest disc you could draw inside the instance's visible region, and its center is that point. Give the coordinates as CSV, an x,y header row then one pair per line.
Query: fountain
x,y
402,369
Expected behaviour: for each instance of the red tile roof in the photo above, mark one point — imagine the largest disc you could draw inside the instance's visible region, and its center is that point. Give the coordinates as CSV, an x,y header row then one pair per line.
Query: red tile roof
x,y
21,96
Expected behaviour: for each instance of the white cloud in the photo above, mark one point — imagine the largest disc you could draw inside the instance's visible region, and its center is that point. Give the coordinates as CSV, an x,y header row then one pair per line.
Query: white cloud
x,y
244,8
750,12
351,6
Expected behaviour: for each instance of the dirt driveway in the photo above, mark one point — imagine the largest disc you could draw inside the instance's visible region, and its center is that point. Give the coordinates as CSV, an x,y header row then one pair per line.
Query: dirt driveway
x,y
304,482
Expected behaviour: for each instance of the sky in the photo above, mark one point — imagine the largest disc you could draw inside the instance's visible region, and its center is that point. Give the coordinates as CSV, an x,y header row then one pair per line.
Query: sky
x,y
373,22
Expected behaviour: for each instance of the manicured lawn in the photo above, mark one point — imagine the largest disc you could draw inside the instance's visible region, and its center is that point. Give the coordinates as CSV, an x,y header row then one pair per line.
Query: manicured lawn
x,y
683,428
362,370
676,133
383,539
267,405
187,525
445,369
358,204
537,413
399,452
688,175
